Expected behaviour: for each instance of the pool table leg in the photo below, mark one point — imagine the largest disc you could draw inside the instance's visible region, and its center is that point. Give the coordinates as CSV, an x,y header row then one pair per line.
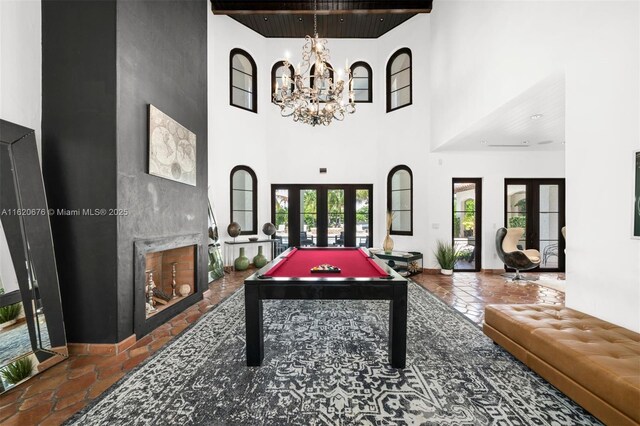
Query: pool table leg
x,y
253,319
398,327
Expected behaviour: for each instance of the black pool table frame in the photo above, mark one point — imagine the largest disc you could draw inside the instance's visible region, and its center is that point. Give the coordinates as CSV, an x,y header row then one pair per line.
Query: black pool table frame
x,y
393,288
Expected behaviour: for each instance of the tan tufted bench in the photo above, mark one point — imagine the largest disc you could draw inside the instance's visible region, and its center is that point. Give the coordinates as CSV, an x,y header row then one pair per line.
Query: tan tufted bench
x,y
593,362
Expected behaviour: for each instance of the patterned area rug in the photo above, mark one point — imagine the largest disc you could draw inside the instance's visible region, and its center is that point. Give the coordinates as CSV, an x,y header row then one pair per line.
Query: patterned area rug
x,y
15,341
326,364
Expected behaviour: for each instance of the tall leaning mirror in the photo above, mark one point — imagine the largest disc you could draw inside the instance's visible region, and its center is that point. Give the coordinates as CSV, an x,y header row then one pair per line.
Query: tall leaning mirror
x,y
32,336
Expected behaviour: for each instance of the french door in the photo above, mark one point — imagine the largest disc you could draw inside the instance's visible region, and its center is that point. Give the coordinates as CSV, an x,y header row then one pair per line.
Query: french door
x,y
339,215
537,205
467,223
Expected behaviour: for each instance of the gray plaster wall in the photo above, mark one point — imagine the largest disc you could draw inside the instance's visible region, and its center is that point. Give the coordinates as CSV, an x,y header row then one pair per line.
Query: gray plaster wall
x,y
79,160
104,62
162,60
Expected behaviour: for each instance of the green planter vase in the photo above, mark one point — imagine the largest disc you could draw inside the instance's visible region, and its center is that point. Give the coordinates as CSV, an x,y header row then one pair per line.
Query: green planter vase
x,y
242,262
260,260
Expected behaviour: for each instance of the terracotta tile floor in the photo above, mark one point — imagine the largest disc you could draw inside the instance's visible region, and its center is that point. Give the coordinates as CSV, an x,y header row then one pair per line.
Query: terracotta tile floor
x,y
470,292
56,394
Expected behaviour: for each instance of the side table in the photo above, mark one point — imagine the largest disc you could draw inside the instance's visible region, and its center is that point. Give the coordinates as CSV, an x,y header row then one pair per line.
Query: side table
x,y
406,263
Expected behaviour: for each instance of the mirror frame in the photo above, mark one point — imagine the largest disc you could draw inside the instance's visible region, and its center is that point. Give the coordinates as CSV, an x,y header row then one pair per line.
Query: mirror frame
x,y
30,242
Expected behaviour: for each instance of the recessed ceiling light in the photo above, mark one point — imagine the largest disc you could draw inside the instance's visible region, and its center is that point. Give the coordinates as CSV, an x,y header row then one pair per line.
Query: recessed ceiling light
x,y
266,19
341,19
525,142
299,19
483,142
563,142
536,116
381,19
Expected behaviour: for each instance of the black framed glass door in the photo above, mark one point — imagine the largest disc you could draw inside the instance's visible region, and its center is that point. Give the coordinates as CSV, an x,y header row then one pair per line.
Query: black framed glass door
x,y
467,223
308,212
538,206
337,215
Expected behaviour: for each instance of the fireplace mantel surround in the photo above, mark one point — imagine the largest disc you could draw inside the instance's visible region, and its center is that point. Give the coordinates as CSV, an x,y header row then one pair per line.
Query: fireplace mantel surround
x,y
142,324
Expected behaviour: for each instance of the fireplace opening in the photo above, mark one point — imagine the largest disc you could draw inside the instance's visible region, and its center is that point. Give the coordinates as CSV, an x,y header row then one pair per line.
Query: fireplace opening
x,y
170,276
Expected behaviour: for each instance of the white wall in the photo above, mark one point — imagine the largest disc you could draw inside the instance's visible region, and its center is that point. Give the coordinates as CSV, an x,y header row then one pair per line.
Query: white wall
x,y
485,53
8,279
493,168
235,136
363,148
21,63
20,86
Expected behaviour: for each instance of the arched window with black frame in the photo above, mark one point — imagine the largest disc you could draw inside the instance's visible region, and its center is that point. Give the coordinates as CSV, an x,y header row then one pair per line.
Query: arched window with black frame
x,y
399,80
362,82
277,71
328,74
243,80
400,199
244,199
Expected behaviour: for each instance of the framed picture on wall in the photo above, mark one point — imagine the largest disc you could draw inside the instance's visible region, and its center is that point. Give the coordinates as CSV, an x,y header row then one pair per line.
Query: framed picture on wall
x,y
172,148
636,198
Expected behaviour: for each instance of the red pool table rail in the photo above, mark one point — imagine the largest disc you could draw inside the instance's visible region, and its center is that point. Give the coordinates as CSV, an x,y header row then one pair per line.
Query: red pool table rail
x,y
297,263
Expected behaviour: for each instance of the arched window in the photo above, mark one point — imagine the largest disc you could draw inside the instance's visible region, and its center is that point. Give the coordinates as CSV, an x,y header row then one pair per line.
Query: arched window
x,y
399,93
328,74
243,91
362,82
277,71
400,200
244,199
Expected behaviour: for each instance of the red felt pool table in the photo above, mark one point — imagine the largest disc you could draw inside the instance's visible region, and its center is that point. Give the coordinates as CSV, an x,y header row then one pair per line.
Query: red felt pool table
x,y
361,277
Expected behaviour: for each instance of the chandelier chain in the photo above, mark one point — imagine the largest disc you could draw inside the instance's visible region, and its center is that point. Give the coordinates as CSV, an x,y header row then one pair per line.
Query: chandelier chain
x,y
315,18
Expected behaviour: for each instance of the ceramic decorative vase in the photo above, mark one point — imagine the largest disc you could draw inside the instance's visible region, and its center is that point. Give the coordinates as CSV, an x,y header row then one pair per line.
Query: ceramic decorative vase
x,y
269,229
242,262
184,290
234,229
260,260
446,271
387,244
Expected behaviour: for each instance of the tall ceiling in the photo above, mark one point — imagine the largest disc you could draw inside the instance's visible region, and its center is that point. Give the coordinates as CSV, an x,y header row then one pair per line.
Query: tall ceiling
x,y
532,121
336,18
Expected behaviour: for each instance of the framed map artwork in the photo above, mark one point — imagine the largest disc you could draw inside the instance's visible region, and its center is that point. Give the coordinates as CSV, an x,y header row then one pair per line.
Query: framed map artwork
x,y
172,148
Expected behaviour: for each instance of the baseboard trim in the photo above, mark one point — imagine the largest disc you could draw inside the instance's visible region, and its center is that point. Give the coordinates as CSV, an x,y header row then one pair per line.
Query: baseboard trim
x,y
492,271
102,348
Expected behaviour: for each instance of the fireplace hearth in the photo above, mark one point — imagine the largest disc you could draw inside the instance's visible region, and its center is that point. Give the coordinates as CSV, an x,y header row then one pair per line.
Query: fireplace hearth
x,y
166,279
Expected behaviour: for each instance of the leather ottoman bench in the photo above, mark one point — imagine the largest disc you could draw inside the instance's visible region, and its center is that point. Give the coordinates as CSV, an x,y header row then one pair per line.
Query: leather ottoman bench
x,y
593,362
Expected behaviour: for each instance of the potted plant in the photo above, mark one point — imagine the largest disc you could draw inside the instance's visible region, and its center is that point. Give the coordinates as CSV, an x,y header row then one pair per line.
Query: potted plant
x,y
17,371
8,314
446,255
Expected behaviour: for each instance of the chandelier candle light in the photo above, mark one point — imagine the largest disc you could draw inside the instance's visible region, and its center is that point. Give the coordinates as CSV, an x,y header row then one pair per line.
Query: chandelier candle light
x,y
318,98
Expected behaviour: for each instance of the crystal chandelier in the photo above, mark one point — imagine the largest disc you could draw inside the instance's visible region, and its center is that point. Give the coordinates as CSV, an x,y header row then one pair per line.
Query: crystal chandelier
x,y
315,98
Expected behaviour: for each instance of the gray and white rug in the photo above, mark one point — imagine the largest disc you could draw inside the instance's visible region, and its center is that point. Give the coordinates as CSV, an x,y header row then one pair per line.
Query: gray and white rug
x,y
326,364
15,341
